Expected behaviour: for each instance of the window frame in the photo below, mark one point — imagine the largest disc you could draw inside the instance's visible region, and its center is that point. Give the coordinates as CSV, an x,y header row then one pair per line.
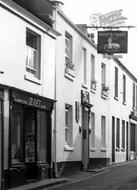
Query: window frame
x,y
68,126
103,132
33,71
84,57
123,135
103,75
17,109
124,89
117,133
116,84
92,134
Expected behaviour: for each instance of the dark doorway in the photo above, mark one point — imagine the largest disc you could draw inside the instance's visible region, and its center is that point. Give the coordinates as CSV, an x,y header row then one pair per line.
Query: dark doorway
x,y
30,143
113,139
132,137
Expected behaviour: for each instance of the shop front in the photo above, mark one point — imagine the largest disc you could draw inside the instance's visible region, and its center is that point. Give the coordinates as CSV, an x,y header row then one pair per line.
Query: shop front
x,y
29,138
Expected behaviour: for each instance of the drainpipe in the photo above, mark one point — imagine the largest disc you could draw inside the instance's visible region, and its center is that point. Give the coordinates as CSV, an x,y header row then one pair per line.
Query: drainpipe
x,y
55,112
56,5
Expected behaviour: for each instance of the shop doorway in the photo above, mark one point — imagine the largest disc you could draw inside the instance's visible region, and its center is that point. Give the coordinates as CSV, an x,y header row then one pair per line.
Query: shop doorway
x,y
30,143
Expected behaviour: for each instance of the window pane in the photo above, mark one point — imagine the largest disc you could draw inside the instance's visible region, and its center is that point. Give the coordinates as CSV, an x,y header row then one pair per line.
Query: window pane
x,y
42,136
123,134
68,124
84,66
103,131
92,130
33,53
116,82
118,134
16,138
92,67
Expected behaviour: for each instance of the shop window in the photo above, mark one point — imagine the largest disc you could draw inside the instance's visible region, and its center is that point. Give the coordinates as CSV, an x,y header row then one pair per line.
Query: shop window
x,y
68,125
30,135
41,137
16,136
33,54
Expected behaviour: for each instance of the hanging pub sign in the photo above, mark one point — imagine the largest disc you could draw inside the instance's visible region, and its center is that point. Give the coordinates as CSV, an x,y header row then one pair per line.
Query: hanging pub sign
x,y
112,42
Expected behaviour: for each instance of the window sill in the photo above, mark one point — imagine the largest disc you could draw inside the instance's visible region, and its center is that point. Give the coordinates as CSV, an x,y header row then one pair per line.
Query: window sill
x,y
69,76
84,86
104,97
116,98
68,148
123,149
92,149
93,90
32,79
103,149
117,149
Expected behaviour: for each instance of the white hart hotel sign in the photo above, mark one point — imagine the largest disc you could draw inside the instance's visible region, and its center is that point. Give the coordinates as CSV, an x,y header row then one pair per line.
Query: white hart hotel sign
x,y
114,18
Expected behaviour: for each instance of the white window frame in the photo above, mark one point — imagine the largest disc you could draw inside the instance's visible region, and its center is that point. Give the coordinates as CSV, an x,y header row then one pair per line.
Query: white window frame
x,y
116,83
124,89
33,54
103,74
68,127
123,131
84,57
92,67
92,134
103,133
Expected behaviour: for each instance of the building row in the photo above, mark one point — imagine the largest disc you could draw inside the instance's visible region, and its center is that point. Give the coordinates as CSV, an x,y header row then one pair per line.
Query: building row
x,y
63,106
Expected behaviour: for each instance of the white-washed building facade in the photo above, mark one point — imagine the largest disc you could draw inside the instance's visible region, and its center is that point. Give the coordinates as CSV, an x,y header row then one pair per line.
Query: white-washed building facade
x,y
27,96
94,102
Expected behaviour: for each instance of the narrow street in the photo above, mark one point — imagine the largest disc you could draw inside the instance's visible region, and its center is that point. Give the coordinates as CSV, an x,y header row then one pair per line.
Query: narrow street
x,y
123,177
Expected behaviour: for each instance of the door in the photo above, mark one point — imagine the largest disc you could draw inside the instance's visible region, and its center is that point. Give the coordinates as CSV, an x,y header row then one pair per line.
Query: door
x,y
1,143
113,139
85,138
30,143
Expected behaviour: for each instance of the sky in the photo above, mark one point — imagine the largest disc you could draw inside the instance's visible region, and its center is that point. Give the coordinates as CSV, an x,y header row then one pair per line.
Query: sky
x,y
79,12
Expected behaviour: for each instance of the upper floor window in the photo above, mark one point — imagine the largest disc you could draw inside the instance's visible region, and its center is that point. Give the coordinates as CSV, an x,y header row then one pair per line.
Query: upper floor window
x,y
103,75
68,52
84,57
124,88
33,53
133,95
92,68
93,81
116,82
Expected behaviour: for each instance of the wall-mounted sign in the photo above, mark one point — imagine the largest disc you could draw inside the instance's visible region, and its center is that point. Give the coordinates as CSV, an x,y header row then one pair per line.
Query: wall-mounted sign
x,y
77,111
112,41
84,97
114,18
32,100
